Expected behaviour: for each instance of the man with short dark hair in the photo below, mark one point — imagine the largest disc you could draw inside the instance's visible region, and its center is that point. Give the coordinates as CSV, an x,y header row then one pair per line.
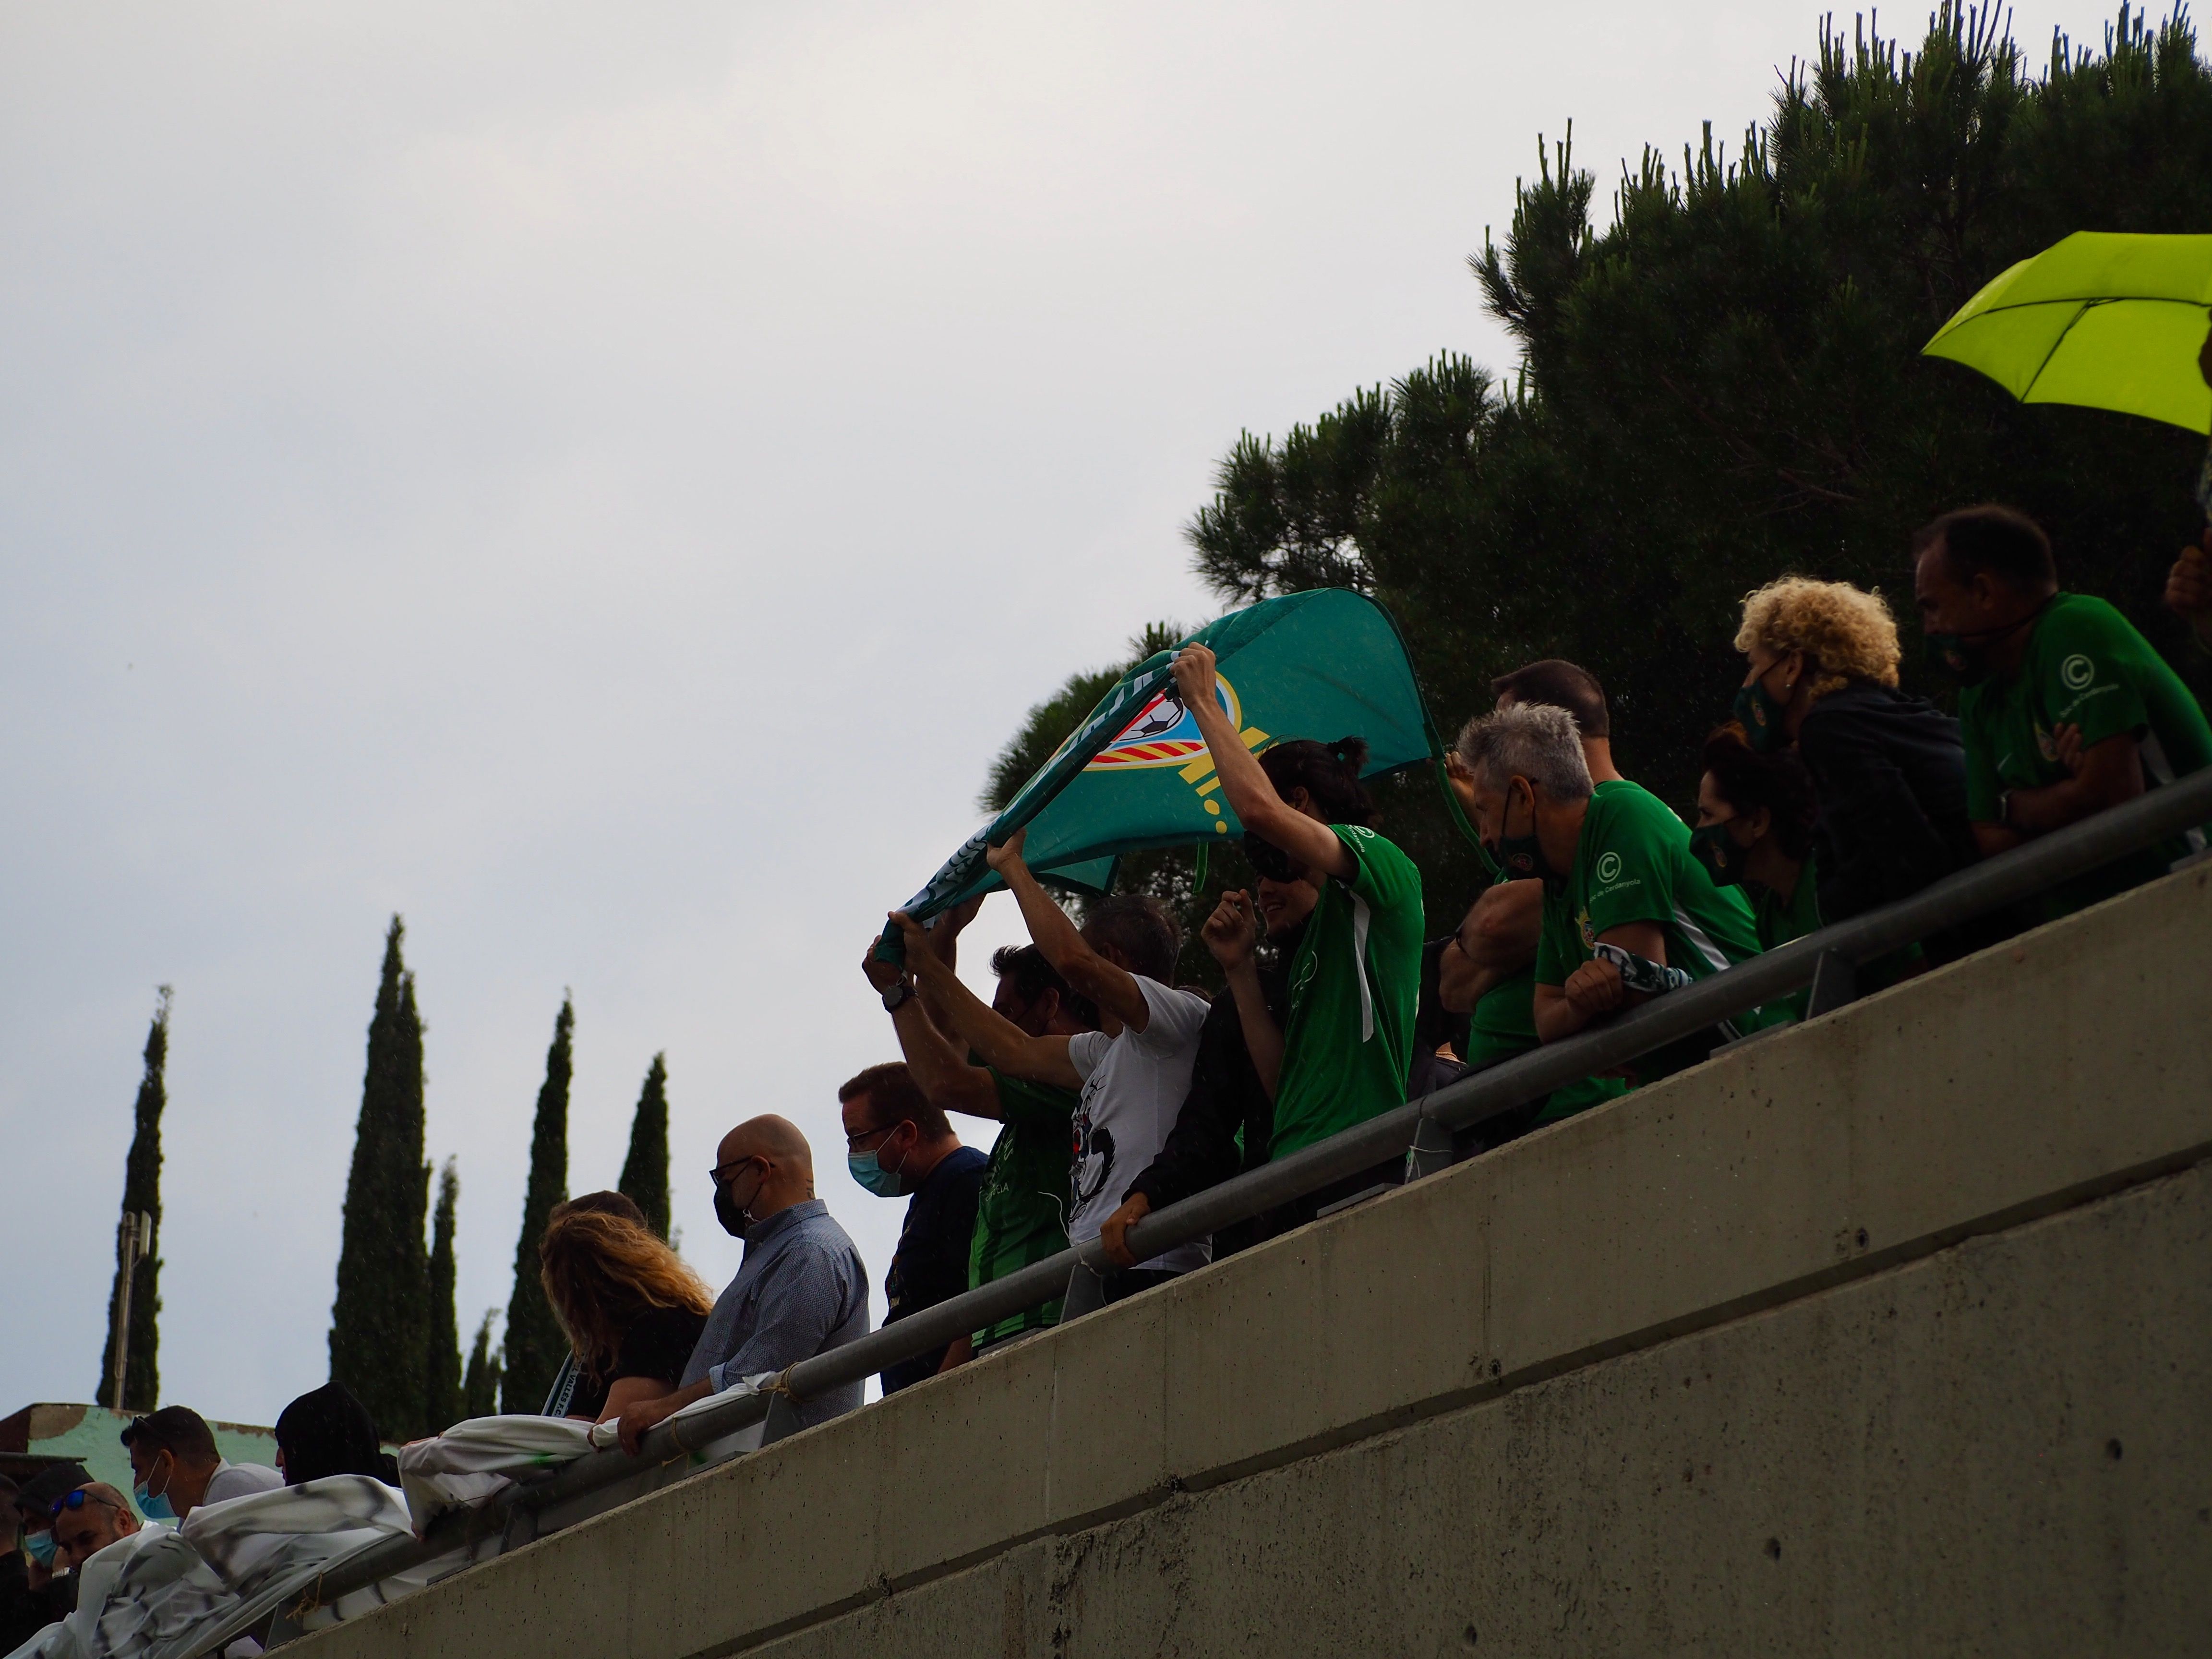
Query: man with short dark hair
x,y
2065,708
1134,1071
53,1589
801,1291
1021,1213
175,1468
897,1143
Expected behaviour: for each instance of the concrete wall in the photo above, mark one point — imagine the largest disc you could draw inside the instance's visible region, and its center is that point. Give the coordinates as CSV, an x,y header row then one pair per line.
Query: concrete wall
x,y
1886,1333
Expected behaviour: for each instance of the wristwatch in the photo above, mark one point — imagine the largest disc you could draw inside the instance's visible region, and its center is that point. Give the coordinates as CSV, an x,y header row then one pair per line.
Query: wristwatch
x,y
897,997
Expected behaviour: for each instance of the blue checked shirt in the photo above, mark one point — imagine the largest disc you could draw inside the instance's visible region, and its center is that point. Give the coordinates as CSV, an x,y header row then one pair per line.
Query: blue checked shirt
x,y
802,1290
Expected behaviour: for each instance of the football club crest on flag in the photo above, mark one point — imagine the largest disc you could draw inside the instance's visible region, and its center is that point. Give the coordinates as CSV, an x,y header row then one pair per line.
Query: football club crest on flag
x,y
1324,664
1164,733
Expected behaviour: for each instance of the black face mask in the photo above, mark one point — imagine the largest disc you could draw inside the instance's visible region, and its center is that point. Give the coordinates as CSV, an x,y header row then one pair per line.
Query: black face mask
x,y
1522,856
735,1217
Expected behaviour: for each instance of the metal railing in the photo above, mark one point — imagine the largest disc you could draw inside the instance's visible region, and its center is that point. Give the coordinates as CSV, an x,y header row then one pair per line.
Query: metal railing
x,y
1421,1129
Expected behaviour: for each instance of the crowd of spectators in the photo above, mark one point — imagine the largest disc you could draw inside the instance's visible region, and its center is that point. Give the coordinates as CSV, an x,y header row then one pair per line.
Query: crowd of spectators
x,y
1826,793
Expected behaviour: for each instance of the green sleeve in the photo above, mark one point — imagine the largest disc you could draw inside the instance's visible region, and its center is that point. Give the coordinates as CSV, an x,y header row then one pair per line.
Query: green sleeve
x,y
2091,658
1631,869
1386,878
1982,785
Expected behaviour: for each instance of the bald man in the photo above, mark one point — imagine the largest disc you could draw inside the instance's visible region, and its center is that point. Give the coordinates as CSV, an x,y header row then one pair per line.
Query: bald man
x,y
89,1520
801,1291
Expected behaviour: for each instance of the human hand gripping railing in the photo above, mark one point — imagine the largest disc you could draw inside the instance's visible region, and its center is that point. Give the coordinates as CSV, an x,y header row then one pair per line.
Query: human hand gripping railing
x,y
1974,891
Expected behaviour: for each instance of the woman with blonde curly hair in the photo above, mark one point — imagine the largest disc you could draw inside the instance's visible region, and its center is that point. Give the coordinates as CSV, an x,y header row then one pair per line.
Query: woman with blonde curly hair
x,y
1888,770
632,1309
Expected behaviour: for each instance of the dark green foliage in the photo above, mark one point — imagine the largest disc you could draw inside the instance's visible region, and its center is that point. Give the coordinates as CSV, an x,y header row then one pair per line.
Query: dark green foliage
x,y
645,1171
380,1324
480,1387
441,1396
535,1345
141,1194
1725,385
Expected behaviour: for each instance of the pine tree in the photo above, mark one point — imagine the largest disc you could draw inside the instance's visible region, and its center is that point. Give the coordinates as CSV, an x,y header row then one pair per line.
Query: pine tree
x,y
141,1194
480,1387
380,1324
534,1343
441,1396
645,1171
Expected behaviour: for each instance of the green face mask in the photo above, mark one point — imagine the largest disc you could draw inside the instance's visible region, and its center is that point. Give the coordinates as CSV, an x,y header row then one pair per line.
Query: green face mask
x,y
1759,712
1712,845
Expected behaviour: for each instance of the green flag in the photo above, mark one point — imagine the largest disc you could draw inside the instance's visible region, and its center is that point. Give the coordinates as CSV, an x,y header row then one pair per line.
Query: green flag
x,y
1324,664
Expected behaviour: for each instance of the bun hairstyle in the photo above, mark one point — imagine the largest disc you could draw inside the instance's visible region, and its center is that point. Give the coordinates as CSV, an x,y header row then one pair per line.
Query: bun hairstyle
x,y
1328,772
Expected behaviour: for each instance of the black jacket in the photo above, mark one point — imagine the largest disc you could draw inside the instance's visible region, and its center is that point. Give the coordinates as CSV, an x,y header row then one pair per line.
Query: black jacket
x,y
1225,1096
1890,775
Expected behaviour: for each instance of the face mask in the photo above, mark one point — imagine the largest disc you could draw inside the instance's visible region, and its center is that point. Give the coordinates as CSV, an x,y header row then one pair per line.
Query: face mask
x,y
40,1545
155,1506
1522,856
1966,657
736,1218
1759,712
1712,845
869,1171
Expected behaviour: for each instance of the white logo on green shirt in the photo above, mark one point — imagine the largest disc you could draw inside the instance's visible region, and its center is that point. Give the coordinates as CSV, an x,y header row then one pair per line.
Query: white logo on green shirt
x,y
2076,671
1608,867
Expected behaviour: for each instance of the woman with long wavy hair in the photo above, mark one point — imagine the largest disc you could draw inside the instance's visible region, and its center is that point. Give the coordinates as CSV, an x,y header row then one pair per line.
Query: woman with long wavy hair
x,y
632,1309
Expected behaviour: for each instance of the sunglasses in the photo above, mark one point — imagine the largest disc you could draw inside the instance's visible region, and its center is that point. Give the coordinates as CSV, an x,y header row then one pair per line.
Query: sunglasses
x,y
74,1500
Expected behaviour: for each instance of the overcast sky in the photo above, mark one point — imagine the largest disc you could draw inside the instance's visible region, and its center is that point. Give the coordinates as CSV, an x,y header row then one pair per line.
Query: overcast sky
x,y
603,482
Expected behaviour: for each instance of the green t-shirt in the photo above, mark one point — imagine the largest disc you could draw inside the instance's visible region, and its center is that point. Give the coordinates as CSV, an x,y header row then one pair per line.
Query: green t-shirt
x,y
2085,666
1633,863
1021,1216
1355,982
1779,920
1504,1024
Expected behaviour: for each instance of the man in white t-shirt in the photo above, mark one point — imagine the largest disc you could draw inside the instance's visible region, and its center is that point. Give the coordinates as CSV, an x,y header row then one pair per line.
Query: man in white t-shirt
x,y
1134,1071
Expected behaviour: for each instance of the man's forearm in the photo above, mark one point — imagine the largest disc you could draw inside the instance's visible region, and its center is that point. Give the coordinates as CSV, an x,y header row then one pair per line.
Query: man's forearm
x,y
991,1035
943,1074
1263,1038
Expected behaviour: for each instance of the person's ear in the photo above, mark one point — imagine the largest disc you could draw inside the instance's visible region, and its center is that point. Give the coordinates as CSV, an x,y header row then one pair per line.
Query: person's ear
x,y
1761,822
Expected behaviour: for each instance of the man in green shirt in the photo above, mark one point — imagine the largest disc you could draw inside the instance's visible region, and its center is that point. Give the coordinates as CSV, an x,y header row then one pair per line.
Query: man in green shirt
x,y
1021,1216
1488,968
1617,871
2067,710
1346,1043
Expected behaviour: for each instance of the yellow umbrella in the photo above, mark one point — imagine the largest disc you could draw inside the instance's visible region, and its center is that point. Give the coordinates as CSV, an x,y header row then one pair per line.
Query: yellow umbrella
x,y
2108,320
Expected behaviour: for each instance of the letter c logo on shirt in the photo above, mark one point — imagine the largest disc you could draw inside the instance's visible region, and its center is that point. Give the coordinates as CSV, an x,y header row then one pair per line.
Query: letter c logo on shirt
x,y
1608,867
2076,671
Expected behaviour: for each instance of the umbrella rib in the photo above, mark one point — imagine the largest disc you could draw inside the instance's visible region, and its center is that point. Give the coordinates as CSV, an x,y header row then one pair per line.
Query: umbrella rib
x,y
2086,307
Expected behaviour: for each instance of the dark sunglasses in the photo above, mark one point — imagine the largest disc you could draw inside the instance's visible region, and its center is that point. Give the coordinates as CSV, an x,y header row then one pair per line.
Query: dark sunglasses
x,y
74,1500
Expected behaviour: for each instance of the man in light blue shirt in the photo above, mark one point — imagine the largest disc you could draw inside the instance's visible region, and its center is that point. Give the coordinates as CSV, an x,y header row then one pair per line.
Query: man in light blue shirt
x,y
801,1291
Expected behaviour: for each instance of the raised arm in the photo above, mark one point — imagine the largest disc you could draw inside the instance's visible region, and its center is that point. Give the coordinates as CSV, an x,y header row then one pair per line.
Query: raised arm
x,y
942,1073
1230,933
1263,812
1087,973
1000,1041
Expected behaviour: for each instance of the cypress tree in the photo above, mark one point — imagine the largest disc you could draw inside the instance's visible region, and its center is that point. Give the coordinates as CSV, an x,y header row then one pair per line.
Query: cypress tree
x,y
142,1192
534,1343
441,1395
645,1171
480,1387
380,1324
